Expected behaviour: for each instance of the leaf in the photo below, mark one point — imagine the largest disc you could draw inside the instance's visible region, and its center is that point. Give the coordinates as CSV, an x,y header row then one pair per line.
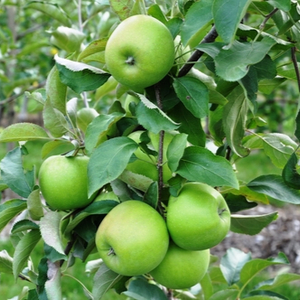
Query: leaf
x,y
226,294
98,130
79,76
13,174
232,263
227,15
56,147
140,289
54,120
274,186
252,224
9,209
193,94
94,51
95,208
234,120
201,165
52,10
152,118
34,205
290,174
23,250
5,262
108,161
24,225
175,150
56,91
284,5
151,195
232,64
53,284
277,281
104,280
253,267
19,132
193,27
50,230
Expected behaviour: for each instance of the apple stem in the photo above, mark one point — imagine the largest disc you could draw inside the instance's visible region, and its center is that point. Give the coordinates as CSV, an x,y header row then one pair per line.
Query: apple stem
x,y
111,252
130,61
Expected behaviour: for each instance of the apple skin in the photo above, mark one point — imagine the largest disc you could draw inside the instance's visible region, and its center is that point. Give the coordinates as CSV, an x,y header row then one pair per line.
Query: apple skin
x,y
132,239
64,182
85,116
198,218
181,269
140,52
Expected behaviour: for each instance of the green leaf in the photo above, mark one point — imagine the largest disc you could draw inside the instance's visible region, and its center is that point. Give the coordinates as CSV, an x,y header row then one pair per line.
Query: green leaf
x,y
94,51
274,187
53,284
151,195
152,118
56,91
23,250
57,147
232,263
5,262
68,39
34,205
175,150
277,281
104,280
79,76
108,161
232,63
50,230
226,294
227,15
52,10
284,5
99,129
54,120
95,208
253,267
9,209
290,173
252,224
193,94
122,7
24,225
193,27
140,289
201,165
13,174
19,132
234,120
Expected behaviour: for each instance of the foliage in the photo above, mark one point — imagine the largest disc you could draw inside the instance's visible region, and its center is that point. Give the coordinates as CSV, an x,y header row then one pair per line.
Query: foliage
x,y
232,91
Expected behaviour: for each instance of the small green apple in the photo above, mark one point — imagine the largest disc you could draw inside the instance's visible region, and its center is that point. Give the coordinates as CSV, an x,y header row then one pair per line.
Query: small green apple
x,y
130,98
85,116
64,182
181,269
107,196
132,239
198,218
140,52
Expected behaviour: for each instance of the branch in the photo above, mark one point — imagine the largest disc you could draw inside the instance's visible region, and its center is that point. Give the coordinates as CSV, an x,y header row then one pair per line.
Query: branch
x,y
209,38
295,63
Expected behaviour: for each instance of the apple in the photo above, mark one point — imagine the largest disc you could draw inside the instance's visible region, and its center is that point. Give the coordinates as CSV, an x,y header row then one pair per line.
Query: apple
x,y
147,164
198,218
181,269
140,52
85,116
64,182
132,239
129,99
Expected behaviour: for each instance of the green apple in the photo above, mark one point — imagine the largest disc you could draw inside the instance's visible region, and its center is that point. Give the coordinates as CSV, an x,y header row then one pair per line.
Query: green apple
x,y
198,218
130,98
140,52
132,239
85,116
64,182
181,269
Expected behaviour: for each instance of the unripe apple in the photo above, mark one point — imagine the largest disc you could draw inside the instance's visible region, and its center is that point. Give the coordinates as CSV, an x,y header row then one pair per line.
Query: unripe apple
x,y
85,116
198,218
140,52
181,269
133,238
64,182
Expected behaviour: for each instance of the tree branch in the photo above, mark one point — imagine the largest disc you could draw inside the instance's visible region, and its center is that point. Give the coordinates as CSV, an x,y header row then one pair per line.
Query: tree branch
x,y
209,38
295,63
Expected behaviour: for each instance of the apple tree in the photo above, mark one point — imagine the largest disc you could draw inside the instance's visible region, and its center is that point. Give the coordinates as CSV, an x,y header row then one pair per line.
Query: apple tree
x,y
162,113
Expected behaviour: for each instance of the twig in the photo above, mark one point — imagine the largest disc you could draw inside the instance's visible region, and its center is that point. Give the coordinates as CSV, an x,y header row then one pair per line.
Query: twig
x,y
209,38
295,63
262,25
